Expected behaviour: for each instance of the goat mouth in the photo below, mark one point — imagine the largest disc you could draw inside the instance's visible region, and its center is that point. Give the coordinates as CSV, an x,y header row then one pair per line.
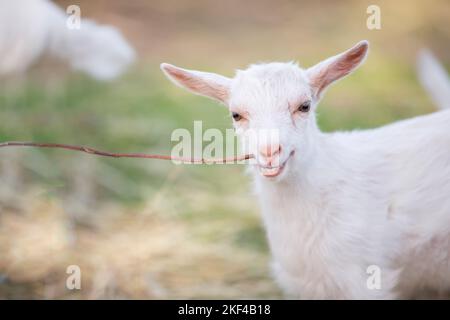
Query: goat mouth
x,y
272,172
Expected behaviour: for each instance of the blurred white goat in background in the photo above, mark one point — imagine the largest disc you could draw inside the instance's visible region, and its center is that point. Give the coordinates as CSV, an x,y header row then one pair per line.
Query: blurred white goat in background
x,y
31,28
434,78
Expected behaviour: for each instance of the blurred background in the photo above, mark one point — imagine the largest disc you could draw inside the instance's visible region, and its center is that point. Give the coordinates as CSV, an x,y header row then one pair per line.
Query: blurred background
x,y
149,229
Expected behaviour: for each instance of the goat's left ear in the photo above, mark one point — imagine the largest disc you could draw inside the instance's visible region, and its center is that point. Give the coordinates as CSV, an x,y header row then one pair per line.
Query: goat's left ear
x,y
326,72
203,83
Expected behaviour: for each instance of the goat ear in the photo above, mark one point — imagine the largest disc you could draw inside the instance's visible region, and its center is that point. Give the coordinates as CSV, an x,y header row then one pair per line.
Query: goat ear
x,y
326,72
203,83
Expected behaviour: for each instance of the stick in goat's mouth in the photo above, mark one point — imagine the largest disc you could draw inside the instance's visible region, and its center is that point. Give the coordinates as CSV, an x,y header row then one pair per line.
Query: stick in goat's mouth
x,y
124,155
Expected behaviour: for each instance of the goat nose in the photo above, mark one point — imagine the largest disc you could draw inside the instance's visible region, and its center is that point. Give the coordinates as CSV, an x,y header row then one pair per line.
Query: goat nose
x,y
269,151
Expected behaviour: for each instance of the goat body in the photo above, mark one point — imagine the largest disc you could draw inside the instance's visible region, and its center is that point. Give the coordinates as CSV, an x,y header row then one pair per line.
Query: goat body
x,y
377,197
337,206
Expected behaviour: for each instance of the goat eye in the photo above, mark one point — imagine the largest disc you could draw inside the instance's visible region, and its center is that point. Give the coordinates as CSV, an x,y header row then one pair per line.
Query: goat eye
x,y
236,116
304,107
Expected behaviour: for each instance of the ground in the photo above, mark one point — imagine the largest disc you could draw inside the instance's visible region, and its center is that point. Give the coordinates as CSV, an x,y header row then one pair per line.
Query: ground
x,y
151,229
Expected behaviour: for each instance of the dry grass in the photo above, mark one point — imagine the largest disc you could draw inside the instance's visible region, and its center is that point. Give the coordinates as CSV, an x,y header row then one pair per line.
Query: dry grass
x,y
137,253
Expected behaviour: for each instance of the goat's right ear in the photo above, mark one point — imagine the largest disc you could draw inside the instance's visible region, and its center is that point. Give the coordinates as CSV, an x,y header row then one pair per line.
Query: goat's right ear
x,y
203,83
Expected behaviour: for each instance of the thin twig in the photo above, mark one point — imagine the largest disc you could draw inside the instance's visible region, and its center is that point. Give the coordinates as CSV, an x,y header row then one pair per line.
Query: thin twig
x,y
123,155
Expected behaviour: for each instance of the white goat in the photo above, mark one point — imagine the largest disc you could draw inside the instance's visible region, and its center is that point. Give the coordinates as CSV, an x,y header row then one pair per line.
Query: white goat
x,y
32,28
334,204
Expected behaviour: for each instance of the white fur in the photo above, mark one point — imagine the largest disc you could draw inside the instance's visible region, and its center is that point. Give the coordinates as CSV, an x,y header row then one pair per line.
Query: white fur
x,y
32,28
347,200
